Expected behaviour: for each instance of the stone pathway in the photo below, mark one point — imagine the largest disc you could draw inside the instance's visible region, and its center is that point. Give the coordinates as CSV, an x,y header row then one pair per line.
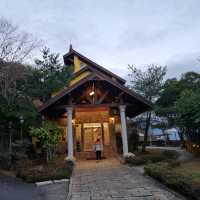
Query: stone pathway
x,y
110,180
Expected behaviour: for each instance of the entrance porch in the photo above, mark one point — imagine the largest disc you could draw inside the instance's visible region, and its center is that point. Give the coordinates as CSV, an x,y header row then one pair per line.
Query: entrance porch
x,y
84,125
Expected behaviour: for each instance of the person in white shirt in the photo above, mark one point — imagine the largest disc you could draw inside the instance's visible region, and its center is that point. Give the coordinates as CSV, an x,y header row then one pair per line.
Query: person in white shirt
x,y
98,149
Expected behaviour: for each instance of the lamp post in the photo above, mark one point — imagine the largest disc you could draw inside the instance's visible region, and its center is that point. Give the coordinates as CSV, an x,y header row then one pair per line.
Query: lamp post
x,y
10,136
21,119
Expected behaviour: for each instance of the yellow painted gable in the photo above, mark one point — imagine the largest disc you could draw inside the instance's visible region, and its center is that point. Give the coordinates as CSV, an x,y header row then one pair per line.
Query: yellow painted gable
x,y
80,77
77,64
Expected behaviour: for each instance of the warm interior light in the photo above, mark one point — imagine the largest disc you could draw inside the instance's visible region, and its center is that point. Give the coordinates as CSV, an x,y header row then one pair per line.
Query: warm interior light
x,y
112,120
91,93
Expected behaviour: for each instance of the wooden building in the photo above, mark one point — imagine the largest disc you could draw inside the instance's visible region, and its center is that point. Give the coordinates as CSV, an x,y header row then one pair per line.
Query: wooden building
x,y
94,105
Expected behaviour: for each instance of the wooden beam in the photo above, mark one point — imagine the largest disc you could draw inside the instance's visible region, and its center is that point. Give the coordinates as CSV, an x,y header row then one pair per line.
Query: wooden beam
x,y
87,105
103,97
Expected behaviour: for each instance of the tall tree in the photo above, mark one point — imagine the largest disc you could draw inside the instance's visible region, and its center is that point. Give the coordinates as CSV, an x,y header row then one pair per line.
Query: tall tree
x,y
188,114
149,84
12,97
48,76
15,45
172,89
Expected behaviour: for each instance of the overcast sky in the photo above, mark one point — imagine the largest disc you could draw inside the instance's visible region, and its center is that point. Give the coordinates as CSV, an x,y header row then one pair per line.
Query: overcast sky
x,y
115,33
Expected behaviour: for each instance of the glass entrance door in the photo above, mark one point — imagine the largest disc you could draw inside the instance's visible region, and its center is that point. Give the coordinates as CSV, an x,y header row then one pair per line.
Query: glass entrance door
x,y
92,131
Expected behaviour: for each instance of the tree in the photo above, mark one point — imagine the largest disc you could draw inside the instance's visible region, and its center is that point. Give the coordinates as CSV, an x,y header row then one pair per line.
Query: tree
x,y
15,45
170,93
10,74
149,84
49,135
188,109
188,114
48,77
14,101
165,103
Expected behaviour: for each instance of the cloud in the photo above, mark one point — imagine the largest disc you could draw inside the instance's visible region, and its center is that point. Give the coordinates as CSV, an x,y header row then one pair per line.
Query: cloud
x,y
180,64
115,33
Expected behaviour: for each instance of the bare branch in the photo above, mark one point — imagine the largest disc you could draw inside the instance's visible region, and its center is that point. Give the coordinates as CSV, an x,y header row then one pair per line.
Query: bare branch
x,y
15,45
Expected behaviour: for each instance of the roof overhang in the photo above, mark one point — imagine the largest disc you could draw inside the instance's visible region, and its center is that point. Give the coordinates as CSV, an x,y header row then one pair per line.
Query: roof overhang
x,y
144,104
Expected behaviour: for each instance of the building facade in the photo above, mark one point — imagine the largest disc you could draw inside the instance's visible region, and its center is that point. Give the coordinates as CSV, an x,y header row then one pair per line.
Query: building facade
x,y
93,106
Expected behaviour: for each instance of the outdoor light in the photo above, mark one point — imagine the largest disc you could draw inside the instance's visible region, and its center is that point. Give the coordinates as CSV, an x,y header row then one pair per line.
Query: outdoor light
x,y
10,125
91,93
21,120
112,120
42,80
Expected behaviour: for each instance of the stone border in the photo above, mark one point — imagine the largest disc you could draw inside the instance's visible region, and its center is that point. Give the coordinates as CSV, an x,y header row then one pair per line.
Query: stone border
x,y
38,184
69,195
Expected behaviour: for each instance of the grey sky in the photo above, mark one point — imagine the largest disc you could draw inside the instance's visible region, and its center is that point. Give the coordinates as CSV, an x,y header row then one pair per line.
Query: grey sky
x,y
115,33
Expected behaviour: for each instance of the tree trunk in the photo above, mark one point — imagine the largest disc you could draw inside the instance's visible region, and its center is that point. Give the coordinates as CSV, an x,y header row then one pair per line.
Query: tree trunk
x,y
180,133
148,119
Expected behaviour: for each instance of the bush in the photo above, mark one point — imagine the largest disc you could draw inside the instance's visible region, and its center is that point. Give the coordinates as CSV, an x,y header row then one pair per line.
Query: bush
x,y
54,170
152,157
6,160
182,183
170,154
128,158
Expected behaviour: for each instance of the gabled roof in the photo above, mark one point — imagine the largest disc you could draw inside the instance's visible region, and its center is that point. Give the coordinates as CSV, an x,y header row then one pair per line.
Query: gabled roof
x,y
92,64
102,76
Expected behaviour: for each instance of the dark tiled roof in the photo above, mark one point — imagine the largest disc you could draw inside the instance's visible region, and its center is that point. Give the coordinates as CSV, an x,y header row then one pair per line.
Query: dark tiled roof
x,y
93,64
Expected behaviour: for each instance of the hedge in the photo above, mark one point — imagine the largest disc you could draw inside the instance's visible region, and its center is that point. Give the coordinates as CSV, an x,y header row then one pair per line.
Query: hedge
x,y
179,182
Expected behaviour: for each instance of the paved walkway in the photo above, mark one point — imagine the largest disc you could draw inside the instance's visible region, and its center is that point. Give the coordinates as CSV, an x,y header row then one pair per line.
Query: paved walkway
x,y
109,180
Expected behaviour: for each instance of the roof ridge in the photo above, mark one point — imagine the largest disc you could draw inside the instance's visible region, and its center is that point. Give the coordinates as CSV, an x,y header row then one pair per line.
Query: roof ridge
x,y
94,63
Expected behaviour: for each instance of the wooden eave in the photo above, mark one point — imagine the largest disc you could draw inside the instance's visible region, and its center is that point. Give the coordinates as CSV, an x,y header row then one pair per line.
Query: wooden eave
x,y
123,88
64,92
100,75
93,64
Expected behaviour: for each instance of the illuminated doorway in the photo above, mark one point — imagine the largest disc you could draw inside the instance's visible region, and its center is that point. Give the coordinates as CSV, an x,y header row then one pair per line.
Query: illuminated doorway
x,y
92,132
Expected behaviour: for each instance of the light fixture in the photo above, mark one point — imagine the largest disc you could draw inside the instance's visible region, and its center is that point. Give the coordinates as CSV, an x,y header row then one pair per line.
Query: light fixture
x,y
112,120
91,93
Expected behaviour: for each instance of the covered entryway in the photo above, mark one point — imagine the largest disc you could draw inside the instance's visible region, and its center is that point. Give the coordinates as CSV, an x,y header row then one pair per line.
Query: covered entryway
x,y
92,124
95,104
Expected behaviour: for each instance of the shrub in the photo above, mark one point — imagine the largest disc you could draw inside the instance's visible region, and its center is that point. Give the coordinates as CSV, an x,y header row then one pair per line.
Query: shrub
x,y
145,158
54,170
129,157
179,182
152,157
49,135
170,154
6,160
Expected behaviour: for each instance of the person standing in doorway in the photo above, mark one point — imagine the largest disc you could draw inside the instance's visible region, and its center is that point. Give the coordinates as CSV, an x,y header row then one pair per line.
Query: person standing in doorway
x,y
98,149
